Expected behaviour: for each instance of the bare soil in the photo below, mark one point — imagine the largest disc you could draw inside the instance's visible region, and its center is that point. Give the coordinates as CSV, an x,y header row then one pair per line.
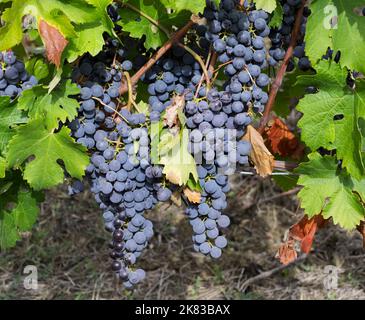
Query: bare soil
x,y
69,248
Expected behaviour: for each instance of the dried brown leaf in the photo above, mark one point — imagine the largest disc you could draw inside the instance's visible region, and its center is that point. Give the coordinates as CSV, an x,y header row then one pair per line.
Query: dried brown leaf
x,y
193,196
282,141
171,118
54,42
261,157
301,234
287,253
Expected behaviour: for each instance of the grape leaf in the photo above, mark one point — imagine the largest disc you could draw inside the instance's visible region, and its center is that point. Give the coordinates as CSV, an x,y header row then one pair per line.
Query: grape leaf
x,y
331,116
52,107
8,233
54,42
289,93
9,116
346,34
261,157
286,182
281,140
90,35
330,191
47,148
26,210
59,14
138,26
2,167
179,164
38,68
267,5
18,208
181,5
277,17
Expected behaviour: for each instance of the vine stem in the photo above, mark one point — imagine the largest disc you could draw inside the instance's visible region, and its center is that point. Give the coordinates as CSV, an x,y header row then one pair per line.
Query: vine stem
x,y
200,61
167,46
285,165
281,73
149,18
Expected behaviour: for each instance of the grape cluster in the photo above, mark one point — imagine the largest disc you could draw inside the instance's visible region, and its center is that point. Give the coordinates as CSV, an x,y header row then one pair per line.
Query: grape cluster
x,y
238,37
281,37
13,76
206,218
123,180
171,76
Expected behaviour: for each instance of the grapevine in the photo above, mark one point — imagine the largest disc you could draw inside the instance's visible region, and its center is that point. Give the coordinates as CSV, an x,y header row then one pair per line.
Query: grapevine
x,y
149,103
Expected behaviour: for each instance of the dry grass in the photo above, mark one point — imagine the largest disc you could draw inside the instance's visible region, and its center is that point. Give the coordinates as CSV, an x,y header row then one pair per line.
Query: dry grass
x,y
68,246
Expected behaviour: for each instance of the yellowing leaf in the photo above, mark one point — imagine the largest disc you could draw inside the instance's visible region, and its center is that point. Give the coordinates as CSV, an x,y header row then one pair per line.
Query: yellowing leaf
x,y
267,5
179,164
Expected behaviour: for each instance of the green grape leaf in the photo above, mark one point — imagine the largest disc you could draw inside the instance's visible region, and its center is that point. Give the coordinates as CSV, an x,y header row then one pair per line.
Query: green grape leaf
x,y
59,14
38,68
26,210
286,182
138,26
181,5
10,116
335,24
194,185
52,107
18,208
331,192
277,17
143,107
331,116
90,35
178,163
2,167
267,5
289,92
8,231
46,149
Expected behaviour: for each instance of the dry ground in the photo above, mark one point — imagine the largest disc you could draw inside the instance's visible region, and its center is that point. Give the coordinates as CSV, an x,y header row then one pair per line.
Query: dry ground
x,y
68,246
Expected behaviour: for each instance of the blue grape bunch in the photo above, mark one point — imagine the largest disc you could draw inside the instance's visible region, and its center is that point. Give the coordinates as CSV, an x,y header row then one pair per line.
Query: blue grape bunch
x,y
14,79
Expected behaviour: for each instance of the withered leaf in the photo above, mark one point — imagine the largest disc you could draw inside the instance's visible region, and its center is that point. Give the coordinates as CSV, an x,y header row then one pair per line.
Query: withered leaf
x,y
282,141
287,253
171,117
301,233
261,157
54,42
193,196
